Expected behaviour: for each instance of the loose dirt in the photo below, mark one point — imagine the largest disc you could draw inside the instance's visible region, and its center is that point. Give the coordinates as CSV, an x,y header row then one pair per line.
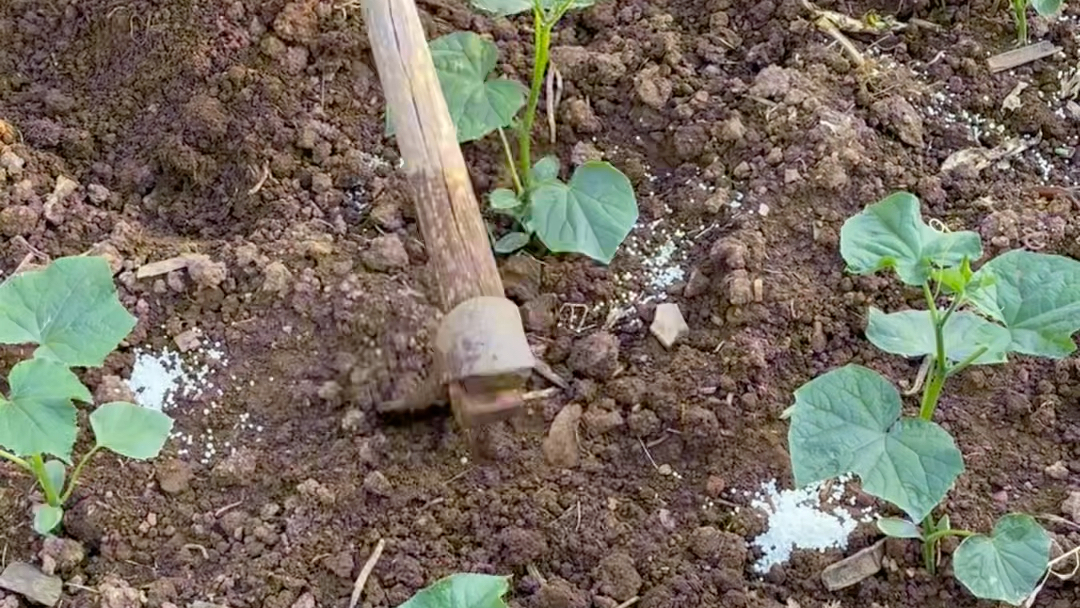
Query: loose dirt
x,y
251,133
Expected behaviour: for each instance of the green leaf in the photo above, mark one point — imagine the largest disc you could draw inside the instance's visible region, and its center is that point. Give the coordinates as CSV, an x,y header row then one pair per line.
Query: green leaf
x,y
1047,8
910,333
1008,564
130,430
511,242
56,472
892,234
898,528
1036,296
478,105
848,421
38,417
954,279
70,309
462,591
590,215
502,199
546,170
944,523
46,518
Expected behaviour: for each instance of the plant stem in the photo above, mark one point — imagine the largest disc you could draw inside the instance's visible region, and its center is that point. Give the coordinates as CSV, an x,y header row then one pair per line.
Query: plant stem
x,y
929,548
76,473
937,535
1020,14
19,462
37,464
510,162
959,367
541,46
938,372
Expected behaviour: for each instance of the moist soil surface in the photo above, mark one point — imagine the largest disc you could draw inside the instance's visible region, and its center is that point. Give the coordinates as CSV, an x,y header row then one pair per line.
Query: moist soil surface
x,y
251,133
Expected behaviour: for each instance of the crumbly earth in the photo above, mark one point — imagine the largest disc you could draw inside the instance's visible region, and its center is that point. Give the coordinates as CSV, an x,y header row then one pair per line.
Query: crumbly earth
x,y
251,132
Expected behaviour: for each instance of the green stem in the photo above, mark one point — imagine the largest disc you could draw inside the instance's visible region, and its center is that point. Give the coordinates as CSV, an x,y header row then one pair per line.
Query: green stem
x,y
510,162
76,473
1020,12
929,549
937,373
37,464
541,46
19,462
959,367
937,535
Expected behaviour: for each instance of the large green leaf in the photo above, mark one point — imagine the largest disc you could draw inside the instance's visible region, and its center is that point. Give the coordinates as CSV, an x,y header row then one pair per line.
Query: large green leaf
x,y
848,421
910,333
38,417
591,215
1008,564
1036,296
70,309
478,105
462,591
130,430
892,234
1047,8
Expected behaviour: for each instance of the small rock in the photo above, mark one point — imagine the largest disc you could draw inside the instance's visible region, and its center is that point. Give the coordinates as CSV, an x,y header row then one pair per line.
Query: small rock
x,y
855,568
18,220
560,447
205,272
1000,496
173,476
668,324
558,593
627,390
321,182
521,276
667,520
8,601
188,340
97,193
385,253
387,215
652,89
307,600
276,278
1058,471
644,423
714,486
595,356
64,554
539,313
238,467
617,577
580,116
1071,506
665,469
731,130
521,546
113,388
740,288
114,592
12,163
697,284
771,83
600,421
900,118
583,152
31,583
297,22
353,420
7,133
377,483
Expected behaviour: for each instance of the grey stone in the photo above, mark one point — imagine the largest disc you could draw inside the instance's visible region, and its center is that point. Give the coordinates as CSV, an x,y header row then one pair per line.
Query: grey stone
x,y
33,584
851,570
668,324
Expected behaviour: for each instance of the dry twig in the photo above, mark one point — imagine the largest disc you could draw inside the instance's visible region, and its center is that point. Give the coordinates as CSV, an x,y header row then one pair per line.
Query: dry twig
x,y
365,572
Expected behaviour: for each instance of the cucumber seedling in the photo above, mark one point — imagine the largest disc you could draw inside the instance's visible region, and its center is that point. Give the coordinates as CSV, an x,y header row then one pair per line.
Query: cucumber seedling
x,y
70,310
594,211
850,420
1045,8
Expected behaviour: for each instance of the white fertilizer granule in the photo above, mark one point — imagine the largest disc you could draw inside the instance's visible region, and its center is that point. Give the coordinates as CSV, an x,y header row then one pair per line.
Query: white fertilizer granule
x,y
800,519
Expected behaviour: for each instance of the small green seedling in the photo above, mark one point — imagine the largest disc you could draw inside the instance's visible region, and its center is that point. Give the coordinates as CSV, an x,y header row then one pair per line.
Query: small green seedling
x,y
590,214
850,420
1045,8
462,591
70,310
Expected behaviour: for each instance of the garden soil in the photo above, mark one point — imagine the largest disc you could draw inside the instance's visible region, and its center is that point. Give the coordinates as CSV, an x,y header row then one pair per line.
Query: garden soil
x,y
250,136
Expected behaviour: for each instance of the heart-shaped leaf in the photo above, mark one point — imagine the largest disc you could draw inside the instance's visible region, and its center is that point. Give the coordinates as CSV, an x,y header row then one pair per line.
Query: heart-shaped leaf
x,y
848,421
462,591
591,215
892,234
511,242
910,333
1047,8
46,518
130,430
38,417
502,199
70,309
1008,564
1036,296
898,528
478,105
